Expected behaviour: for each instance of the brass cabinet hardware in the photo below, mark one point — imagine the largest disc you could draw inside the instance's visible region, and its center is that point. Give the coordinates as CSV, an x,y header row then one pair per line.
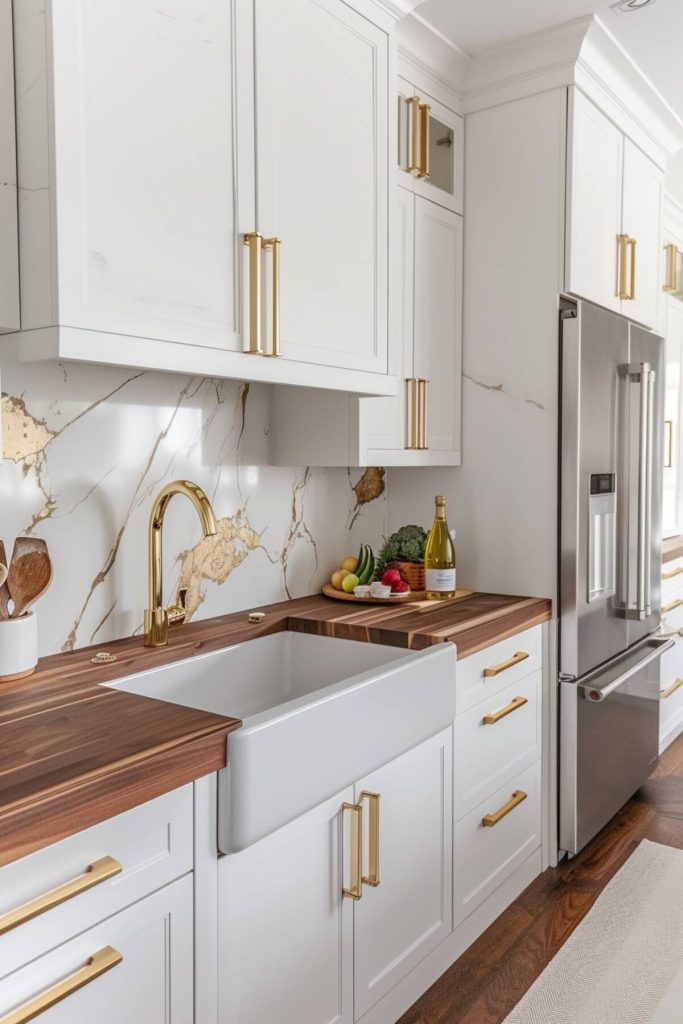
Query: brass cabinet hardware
x,y
495,670
422,413
489,820
425,110
672,604
670,281
417,413
668,444
495,716
626,288
272,245
99,871
254,242
672,572
355,889
676,685
372,877
98,964
414,144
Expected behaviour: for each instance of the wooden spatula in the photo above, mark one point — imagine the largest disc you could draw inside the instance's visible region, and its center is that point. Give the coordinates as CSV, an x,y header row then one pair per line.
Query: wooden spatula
x,y
4,590
30,573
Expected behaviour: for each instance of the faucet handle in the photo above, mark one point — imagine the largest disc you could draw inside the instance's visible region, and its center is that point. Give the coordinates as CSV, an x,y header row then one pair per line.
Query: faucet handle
x,y
177,612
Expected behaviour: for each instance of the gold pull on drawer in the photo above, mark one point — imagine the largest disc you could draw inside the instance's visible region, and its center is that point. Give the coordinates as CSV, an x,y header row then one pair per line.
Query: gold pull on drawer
x,y
355,887
672,572
372,877
98,872
495,670
489,820
672,604
495,716
98,964
676,685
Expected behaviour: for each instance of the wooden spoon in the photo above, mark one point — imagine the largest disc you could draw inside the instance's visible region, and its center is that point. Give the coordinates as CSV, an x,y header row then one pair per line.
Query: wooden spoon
x,y
4,589
30,573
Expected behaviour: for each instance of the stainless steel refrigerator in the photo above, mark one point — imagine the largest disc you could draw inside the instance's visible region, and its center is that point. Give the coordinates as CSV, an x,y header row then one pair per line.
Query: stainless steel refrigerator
x,y
611,437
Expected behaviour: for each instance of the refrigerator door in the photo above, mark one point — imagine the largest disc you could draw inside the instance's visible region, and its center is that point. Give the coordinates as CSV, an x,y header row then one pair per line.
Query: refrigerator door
x,y
593,627
610,739
642,544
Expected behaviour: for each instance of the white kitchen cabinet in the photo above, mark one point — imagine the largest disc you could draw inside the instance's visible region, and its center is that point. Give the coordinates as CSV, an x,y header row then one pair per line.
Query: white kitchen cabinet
x,y
672,504
9,254
132,246
398,922
614,211
430,147
285,929
322,177
426,326
135,966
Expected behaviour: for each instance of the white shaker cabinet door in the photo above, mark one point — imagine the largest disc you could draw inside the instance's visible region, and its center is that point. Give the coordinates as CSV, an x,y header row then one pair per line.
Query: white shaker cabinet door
x,y
398,922
285,930
322,177
642,221
153,188
438,320
134,968
595,174
9,253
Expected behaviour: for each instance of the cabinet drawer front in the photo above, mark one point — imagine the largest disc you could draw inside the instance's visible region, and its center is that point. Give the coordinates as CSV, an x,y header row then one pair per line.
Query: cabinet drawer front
x,y
488,672
483,857
153,845
141,969
672,580
494,741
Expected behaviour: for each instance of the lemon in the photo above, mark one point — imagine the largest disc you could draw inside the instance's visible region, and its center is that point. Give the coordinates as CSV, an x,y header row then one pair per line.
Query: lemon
x,y
337,578
349,582
350,564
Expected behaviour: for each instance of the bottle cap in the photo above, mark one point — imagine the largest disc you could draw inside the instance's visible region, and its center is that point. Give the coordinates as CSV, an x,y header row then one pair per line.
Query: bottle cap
x,y
440,499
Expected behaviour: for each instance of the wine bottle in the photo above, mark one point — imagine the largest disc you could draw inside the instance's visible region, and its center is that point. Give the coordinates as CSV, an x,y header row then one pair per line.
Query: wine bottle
x,y
440,557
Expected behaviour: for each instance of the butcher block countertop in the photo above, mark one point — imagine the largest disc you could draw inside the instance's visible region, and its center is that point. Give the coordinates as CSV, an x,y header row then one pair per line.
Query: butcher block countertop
x,y
73,753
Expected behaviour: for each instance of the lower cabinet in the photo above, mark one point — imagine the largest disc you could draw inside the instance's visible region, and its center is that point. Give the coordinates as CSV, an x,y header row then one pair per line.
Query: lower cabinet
x,y
135,967
319,920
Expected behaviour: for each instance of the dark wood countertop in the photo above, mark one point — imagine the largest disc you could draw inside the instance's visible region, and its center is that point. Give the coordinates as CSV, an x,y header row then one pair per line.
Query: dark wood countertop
x,y
672,548
73,753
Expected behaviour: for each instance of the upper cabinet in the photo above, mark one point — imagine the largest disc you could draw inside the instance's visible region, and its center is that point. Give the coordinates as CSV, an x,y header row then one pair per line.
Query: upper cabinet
x,y
614,216
9,255
430,147
206,183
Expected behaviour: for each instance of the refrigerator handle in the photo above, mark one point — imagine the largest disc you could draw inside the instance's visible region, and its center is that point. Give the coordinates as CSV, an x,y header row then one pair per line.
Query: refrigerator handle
x,y
643,374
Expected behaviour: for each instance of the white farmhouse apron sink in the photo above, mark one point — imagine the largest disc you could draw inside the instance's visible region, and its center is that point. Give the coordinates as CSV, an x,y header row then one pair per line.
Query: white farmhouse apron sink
x,y
318,713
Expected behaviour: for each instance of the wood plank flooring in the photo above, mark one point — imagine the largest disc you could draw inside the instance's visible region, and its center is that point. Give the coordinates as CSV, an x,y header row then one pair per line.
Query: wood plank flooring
x,y
484,985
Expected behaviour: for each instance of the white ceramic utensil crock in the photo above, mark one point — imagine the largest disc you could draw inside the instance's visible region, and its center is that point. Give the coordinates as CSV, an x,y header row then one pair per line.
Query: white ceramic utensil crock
x,y
18,647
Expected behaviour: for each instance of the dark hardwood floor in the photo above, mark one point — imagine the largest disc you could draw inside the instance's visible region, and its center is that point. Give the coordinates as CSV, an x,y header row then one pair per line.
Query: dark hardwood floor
x,y
484,985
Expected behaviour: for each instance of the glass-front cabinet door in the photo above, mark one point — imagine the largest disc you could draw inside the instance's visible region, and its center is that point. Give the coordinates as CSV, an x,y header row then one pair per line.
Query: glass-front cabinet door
x,y
430,147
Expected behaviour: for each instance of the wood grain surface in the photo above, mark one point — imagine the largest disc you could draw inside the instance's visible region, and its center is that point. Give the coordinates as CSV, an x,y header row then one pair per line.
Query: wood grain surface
x,y
490,978
672,548
73,752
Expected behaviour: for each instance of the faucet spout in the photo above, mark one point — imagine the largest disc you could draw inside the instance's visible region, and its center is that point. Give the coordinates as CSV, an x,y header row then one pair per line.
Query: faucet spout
x,y
157,617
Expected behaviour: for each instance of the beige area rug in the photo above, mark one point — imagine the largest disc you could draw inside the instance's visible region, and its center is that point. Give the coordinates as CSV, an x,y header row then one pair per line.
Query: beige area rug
x,y
624,963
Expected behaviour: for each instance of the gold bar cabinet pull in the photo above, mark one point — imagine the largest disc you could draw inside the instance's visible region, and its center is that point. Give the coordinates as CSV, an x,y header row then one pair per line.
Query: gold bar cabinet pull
x,y
98,964
272,245
254,242
672,605
632,289
422,386
355,888
495,670
670,282
489,820
672,572
495,716
425,110
414,141
676,685
413,406
626,287
372,877
99,871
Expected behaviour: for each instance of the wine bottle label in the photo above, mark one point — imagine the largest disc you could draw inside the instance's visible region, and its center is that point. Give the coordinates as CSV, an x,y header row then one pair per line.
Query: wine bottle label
x,y
440,579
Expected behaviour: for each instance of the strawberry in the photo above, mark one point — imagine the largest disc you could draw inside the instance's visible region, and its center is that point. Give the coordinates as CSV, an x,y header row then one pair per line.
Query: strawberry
x,y
391,578
401,588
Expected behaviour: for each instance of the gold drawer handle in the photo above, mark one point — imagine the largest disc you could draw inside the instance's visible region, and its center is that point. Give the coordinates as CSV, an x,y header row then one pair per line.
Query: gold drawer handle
x,y
673,604
676,685
372,877
355,889
672,572
98,964
495,670
98,872
489,820
495,716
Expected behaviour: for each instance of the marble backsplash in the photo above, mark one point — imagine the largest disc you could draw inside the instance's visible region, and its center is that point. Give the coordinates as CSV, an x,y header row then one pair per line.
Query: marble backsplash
x,y
86,449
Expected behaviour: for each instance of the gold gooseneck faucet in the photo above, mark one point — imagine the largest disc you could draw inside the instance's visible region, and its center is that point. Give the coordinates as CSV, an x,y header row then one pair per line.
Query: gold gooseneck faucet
x,y
157,617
